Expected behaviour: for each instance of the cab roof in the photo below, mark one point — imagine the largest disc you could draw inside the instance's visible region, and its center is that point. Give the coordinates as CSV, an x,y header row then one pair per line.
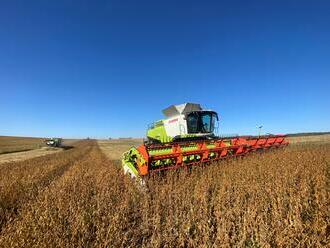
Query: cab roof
x,y
181,109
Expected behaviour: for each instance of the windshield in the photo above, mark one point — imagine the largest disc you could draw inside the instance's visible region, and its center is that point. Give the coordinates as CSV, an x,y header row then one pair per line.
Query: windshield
x,y
201,122
192,123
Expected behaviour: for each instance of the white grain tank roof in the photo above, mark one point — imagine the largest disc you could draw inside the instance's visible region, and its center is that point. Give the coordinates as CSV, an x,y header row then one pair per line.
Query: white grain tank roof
x,y
180,109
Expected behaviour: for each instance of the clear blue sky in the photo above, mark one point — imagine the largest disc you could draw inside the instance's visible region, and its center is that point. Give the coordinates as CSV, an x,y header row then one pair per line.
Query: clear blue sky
x,y
108,68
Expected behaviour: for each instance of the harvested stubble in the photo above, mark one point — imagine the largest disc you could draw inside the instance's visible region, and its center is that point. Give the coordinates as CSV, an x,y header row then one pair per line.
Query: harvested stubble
x,y
278,199
10,144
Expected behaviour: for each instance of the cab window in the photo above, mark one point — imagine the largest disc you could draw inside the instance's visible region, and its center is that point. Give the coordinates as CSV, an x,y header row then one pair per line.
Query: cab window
x,y
192,123
206,123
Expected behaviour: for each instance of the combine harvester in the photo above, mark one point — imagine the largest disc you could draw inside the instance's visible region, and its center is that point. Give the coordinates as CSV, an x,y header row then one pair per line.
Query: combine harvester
x,y
54,142
186,138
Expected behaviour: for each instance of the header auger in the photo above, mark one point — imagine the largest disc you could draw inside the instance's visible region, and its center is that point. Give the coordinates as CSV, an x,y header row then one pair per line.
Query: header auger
x,y
186,138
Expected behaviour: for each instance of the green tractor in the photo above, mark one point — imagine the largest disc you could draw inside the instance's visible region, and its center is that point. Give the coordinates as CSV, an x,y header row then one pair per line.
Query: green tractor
x,y
54,142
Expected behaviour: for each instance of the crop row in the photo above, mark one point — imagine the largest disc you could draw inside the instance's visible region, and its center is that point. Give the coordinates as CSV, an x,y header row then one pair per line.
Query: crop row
x,y
21,182
280,198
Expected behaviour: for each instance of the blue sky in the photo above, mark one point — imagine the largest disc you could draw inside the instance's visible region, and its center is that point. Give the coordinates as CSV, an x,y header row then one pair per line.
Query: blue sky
x,y
108,68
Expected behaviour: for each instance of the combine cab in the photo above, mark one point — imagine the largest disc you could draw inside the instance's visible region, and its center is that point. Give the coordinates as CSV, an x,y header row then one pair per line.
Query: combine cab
x,y
53,142
186,138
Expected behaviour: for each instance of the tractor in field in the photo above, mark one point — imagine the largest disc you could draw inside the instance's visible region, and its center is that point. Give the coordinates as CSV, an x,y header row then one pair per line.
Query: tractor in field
x,y
185,138
54,142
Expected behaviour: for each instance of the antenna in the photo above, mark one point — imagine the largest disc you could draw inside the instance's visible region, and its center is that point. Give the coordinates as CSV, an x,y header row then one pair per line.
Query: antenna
x,y
259,130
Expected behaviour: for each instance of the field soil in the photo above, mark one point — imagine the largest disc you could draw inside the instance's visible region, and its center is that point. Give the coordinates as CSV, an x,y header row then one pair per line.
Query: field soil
x,y
116,147
22,148
17,156
80,198
10,144
325,138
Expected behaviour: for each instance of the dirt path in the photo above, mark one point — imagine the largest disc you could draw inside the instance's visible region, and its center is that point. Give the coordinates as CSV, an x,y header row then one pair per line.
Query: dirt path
x,y
18,156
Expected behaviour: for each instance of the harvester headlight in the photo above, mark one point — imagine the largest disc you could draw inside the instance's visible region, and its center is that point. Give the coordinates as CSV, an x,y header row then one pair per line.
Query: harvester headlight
x,y
167,161
212,155
158,163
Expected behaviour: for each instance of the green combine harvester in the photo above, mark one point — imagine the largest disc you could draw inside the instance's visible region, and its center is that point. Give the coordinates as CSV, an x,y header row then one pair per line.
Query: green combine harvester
x,y
186,137
54,142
